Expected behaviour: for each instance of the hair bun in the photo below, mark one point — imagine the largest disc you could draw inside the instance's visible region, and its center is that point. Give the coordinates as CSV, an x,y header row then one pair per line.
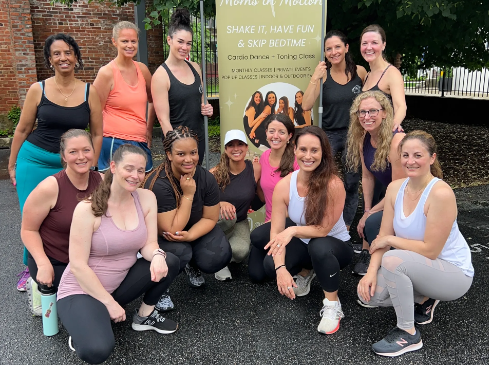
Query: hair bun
x,y
181,16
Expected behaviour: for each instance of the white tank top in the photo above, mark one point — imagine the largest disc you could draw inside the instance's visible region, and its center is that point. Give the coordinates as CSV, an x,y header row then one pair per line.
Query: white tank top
x,y
456,251
297,213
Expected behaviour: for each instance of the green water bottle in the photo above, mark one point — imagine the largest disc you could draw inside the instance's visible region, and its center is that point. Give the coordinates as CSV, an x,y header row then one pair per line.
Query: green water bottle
x,y
49,311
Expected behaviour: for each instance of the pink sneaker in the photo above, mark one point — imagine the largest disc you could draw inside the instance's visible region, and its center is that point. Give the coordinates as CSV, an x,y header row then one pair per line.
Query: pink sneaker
x,y
22,283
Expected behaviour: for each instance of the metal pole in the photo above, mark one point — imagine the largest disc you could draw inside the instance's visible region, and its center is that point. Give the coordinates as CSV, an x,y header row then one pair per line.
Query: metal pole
x,y
320,109
204,86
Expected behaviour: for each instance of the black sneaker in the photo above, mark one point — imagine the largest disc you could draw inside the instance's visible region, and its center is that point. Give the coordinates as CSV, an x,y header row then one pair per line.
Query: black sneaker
x,y
357,247
165,304
398,342
361,266
195,278
423,313
155,321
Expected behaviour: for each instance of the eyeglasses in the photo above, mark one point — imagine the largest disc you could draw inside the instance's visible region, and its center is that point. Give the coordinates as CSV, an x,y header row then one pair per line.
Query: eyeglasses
x,y
371,112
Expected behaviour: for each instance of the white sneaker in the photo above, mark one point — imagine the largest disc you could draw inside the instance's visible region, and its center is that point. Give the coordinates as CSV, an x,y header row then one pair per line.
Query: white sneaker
x,y
303,283
331,315
223,274
34,298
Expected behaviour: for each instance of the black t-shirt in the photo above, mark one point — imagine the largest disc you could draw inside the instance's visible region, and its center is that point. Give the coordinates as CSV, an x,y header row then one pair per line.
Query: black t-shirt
x,y
206,194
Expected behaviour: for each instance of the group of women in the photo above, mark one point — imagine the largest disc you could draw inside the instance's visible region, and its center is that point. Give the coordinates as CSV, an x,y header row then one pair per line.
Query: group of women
x,y
83,230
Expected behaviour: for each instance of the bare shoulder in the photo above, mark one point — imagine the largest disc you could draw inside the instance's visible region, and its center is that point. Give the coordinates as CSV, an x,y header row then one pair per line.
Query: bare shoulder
x,y
48,188
196,66
335,183
442,191
144,69
146,195
284,184
396,139
105,72
395,185
84,208
160,76
393,71
362,72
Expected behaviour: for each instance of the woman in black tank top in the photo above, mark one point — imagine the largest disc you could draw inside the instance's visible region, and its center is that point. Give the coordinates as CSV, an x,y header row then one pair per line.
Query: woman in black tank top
x,y
177,85
382,77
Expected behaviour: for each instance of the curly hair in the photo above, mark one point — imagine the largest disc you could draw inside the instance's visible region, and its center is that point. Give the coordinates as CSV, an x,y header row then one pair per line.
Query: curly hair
x,y
356,133
318,196
429,142
100,196
181,132
69,41
287,161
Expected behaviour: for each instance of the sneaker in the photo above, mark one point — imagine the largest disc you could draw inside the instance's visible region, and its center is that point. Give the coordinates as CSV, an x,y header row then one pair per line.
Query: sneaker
x,y
331,315
155,322
70,344
357,247
398,342
196,280
423,313
165,304
223,274
365,305
23,276
303,283
34,298
362,264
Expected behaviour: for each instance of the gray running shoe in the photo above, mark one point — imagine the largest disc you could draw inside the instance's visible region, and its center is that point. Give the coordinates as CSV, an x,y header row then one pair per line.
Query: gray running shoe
x,y
361,266
398,342
423,313
223,274
196,280
303,283
155,322
165,304
34,297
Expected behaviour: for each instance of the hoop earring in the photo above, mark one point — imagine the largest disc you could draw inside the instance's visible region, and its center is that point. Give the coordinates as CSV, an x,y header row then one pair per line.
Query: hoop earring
x,y
51,67
77,66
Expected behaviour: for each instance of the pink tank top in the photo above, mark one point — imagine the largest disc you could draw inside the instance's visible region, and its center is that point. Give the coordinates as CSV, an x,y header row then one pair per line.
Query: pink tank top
x,y
124,115
112,254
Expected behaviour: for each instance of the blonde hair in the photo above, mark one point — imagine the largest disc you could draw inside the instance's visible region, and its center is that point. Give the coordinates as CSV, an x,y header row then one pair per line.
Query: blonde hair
x,y
356,133
429,143
123,25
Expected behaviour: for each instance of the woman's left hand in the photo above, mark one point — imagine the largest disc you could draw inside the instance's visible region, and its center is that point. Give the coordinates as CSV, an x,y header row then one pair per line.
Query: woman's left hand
x,y
361,224
206,109
278,243
398,128
378,243
158,268
285,283
180,236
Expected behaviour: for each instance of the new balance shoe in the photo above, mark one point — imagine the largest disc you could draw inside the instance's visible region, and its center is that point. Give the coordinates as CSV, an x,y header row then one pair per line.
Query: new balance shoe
x,y
34,297
331,315
154,322
423,313
361,266
398,342
196,280
165,304
70,344
23,276
303,283
223,274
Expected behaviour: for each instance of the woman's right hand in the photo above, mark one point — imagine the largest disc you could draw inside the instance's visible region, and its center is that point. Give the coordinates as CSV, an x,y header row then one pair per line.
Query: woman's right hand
x,y
366,286
11,172
116,312
285,283
361,224
319,72
187,183
45,274
228,211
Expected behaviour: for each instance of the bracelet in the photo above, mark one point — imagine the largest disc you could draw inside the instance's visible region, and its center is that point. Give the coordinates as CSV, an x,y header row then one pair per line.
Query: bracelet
x,y
278,267
314,83
160,252
366,210
190,200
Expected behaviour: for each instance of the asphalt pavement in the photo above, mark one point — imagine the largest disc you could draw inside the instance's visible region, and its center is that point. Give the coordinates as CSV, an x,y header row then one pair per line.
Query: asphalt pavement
x,y
242,323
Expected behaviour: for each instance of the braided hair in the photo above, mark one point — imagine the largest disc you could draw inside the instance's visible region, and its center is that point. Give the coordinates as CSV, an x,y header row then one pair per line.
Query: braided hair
x,y
181,132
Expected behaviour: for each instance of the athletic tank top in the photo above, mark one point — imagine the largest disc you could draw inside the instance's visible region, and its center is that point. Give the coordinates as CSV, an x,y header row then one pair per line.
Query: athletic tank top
x,y
376,86
337,100
112,253
297,211
385,177
53,120
124,113
241,191
455,251
55,229
185,101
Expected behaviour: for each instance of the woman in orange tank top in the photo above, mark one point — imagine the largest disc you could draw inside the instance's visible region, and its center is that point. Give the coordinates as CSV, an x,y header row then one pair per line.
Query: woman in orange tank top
x,y
124,88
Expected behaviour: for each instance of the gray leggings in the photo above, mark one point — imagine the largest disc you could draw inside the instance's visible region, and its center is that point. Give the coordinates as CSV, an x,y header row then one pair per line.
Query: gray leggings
x,y
238,235
406,277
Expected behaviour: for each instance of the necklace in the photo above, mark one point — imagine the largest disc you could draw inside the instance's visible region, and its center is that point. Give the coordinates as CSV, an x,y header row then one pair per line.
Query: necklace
x,y
66,97
418,192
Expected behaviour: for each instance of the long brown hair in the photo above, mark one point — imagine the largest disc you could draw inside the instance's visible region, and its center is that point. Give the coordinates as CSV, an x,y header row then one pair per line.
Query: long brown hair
x,y
318,195
287,161
100,196
429,142
181,132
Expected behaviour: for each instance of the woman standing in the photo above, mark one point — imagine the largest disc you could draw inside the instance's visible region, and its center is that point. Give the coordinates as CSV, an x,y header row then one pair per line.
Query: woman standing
x,y
257,133
372,145
177,84
302,118
253,113
382,77
341,81
432,260
59,103
124,88
104,274
237,180
316,244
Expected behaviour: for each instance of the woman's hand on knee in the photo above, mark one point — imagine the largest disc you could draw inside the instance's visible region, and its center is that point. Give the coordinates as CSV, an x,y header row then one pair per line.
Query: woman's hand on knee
x,y
366,287
158,268
361,224
285,283
379,243
116,312
278,243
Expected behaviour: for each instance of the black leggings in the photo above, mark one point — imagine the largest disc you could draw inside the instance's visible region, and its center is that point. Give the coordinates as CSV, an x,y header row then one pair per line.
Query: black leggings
x,y
58,267
326,255
372,224
210,253
87,320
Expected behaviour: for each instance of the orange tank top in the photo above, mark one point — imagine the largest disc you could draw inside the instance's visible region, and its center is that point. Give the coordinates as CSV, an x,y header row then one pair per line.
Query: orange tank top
x,y
124,114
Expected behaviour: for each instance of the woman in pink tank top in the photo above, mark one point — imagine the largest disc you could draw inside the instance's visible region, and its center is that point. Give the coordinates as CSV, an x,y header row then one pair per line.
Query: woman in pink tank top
x,y
108,230
124,88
